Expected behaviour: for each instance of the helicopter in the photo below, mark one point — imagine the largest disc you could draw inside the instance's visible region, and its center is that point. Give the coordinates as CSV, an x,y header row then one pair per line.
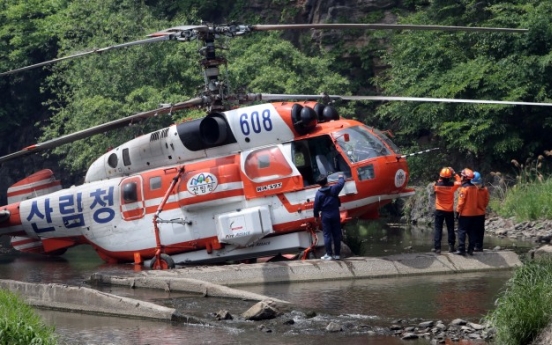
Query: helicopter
x,y
237,184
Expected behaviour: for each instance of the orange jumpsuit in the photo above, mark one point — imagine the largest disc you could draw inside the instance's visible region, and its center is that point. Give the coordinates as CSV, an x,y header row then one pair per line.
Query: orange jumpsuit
x,y
444,210
482,202
467,209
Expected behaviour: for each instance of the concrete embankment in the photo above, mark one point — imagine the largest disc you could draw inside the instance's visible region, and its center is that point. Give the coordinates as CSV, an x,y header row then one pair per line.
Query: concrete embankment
x,y
86,300
313,270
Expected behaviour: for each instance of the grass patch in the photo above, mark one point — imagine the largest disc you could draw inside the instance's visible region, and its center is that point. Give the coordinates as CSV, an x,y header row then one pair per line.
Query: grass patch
x,y
524,308
526,202
19,325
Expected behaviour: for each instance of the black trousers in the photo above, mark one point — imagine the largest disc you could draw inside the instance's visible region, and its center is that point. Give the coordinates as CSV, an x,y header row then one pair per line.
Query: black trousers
x,y
466,226
448,218
479,231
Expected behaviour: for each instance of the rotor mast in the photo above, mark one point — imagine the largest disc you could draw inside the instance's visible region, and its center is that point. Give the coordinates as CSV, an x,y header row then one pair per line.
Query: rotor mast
x,y
215,88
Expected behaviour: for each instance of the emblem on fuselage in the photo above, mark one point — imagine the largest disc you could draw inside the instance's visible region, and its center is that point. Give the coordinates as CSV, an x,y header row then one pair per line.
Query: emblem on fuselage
x,y
202,183
400,178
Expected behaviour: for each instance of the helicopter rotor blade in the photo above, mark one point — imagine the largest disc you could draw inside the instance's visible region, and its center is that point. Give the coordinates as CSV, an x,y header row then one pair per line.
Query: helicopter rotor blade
x,y
382,27
190,32
85,133
93,51
287,97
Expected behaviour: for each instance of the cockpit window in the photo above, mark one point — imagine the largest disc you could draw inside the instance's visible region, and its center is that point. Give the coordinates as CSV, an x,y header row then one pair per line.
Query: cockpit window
x,y
388,141
363,143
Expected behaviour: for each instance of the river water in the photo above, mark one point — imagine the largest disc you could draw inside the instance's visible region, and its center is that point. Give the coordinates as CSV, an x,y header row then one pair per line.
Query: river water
x,y
358,305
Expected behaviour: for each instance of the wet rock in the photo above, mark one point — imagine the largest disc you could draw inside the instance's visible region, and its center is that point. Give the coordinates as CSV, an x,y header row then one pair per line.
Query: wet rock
x,y
441,326
310,314
466,329
288,322
261,311
474,336
333,327
426,324
476,326
409,336
395,327
458,322
223,315
265,329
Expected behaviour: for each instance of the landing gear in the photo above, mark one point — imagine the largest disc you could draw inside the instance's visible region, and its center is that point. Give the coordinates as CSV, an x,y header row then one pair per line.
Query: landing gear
x,y
165,262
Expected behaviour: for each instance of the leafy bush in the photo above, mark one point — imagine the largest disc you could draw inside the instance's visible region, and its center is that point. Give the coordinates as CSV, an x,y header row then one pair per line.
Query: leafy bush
x,y
19,325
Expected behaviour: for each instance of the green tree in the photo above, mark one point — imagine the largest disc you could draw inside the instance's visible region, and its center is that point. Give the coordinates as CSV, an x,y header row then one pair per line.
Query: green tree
x,y
100,88
494,66
26,38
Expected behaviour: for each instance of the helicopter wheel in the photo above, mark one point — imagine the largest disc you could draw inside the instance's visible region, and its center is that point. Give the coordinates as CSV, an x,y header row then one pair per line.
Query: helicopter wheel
x,y
165,263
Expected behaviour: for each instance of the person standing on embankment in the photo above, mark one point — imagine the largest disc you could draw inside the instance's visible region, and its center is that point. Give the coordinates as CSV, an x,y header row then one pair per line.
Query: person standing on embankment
x,y
444,190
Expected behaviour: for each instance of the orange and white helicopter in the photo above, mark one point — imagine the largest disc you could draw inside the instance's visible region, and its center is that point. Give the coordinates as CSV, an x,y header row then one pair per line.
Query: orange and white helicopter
x,y
236,184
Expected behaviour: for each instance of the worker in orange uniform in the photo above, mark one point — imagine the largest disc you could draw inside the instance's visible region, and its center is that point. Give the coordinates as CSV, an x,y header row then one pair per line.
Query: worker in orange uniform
x,y
444,190
467,212
482,202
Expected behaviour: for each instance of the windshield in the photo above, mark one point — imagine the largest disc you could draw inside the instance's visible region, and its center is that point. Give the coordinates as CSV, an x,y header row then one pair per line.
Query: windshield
x,y
363,143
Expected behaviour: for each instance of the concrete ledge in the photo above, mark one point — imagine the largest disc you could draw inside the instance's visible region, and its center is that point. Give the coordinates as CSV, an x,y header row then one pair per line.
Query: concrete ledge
x,y
85,300
313,270
206,289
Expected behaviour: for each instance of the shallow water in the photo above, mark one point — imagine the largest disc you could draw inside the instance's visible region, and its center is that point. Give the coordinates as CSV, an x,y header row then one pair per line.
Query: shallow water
x,y
358,305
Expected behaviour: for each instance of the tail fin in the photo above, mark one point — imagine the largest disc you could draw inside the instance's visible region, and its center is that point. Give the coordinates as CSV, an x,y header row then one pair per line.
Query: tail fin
x,y
48,246
39,183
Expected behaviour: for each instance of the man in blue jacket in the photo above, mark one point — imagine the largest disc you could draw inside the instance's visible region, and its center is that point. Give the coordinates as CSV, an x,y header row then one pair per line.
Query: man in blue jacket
x,y
327,202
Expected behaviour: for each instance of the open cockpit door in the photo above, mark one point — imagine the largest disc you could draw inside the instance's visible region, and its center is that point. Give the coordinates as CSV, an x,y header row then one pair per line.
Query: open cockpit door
x,y
132,198
318,156
268,171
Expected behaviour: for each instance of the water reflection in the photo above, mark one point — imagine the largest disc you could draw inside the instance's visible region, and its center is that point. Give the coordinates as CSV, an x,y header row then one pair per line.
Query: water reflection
x,y
439,297
74,267
376,239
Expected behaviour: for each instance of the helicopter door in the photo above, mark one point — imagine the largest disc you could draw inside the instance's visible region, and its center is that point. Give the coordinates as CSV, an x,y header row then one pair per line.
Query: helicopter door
x,y
269,171
132,198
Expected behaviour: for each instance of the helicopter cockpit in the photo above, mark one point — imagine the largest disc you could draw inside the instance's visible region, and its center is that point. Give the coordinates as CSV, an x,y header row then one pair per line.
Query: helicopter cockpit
x,y
320,156
360,143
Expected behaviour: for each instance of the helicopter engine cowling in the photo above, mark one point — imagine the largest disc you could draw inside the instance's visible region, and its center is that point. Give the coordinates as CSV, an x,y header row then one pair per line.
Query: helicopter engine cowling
x,y
216,134
214,130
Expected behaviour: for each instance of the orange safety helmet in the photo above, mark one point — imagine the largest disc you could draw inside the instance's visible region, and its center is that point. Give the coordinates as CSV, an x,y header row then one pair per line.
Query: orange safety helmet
x,y
467,173
446,173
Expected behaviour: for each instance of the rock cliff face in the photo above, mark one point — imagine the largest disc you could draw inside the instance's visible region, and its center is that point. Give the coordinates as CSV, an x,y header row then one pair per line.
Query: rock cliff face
x,y
321,11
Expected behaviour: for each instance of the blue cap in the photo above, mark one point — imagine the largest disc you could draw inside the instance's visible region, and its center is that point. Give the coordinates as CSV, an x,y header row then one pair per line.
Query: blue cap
x,y
476,178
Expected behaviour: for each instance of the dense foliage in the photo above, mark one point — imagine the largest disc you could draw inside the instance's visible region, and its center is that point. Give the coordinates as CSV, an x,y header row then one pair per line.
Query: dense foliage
x,y
19,325
73,95
493,66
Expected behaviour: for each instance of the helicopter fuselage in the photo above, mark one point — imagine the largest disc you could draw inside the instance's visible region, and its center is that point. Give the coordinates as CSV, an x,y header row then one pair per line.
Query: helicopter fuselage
x,y
233,199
